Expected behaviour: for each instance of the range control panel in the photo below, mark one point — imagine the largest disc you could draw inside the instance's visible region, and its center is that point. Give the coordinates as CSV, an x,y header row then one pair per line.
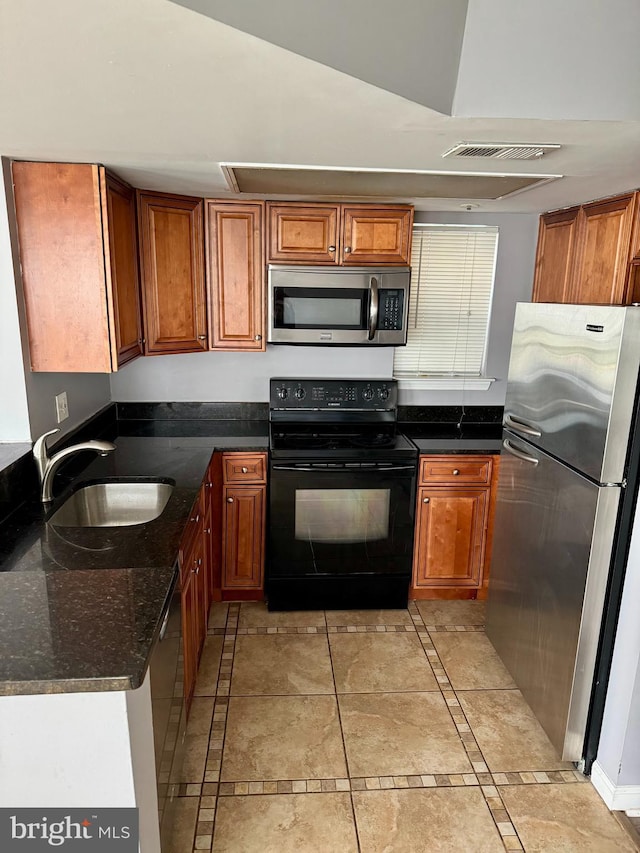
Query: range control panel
x,y
327,394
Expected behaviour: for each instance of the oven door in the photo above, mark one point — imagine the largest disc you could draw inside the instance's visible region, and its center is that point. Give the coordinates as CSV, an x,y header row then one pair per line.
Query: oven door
x,y
341,519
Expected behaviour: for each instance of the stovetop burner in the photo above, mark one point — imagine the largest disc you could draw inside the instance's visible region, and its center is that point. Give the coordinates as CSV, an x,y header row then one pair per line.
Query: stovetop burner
x,y
335,418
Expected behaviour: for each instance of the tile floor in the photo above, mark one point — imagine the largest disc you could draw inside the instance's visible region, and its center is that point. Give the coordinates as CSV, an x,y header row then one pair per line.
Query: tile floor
x,y
380,731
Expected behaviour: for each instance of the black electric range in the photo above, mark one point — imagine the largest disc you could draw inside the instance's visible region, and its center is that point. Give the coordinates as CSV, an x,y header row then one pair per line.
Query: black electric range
x,y
342,496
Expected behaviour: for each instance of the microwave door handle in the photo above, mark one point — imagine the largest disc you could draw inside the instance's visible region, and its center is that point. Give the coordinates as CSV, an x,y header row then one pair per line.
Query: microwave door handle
x,y
373,307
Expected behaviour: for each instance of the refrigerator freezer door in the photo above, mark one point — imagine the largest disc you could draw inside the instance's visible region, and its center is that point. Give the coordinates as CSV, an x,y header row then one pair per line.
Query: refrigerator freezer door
x,y
572,379
553,535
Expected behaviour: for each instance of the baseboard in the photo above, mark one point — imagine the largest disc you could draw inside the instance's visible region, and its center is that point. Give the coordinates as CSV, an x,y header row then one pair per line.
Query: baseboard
x,y
617,798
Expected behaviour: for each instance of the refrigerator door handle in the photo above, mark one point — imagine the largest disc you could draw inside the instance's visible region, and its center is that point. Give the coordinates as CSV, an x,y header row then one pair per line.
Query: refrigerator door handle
x,y
521,426
519,453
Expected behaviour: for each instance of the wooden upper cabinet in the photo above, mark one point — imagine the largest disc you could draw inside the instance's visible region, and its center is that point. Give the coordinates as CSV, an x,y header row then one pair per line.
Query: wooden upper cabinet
x,y
172,266
555,257
604,251
301,233
235,266
376,235
123,259
77,242
586,254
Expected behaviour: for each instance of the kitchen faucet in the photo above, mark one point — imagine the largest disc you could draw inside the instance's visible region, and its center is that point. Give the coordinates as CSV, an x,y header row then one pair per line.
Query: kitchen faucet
x,y
48,465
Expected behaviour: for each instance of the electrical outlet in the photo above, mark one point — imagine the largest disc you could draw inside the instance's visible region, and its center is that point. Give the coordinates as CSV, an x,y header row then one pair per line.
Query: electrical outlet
x,y
62,407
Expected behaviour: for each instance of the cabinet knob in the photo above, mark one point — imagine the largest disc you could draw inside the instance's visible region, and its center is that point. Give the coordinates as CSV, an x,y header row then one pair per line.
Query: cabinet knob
x,y
347,249
202,337
455,472
332,248
207,530
229,500
258,338
425,500
245,470
195,518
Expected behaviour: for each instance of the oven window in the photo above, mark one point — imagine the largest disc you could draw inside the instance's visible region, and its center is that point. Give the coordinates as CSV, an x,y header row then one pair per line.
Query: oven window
x,y
320,308
342,515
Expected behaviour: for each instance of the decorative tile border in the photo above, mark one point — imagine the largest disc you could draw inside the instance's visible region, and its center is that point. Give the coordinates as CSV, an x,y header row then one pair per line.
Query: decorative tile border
x,y
481,777
319,629
486,781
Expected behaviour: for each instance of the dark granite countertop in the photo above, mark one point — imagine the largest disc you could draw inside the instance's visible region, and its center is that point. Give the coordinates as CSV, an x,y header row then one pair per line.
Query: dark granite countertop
x,y
448,438
80,607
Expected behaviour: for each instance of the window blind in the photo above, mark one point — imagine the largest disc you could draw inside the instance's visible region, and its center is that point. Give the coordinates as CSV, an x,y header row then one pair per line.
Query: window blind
x,y
452,273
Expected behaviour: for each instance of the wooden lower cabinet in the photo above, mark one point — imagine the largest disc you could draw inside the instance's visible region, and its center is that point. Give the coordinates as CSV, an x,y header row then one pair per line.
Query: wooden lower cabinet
x,y
454,515
194,621
243,525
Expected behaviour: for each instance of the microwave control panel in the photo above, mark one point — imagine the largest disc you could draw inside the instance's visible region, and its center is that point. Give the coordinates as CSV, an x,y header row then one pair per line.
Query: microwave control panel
x,y
391,310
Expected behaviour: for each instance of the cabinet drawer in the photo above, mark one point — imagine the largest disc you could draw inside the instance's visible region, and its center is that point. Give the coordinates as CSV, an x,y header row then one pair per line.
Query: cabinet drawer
x,y
244,467
455,470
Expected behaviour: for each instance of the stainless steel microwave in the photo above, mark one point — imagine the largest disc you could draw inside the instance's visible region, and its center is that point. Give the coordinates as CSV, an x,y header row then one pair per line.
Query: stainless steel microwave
x,y
344,306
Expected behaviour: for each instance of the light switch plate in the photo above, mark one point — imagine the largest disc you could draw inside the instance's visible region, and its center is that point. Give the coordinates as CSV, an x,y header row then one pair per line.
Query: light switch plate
x,y
62,407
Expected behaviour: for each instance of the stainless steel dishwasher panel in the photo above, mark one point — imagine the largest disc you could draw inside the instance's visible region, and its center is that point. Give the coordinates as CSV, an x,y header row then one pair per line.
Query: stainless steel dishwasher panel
x,y
553,535
169,713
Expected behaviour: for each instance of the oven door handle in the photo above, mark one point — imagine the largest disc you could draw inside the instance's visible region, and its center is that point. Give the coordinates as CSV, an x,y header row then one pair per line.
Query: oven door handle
x,y
373,307
324,470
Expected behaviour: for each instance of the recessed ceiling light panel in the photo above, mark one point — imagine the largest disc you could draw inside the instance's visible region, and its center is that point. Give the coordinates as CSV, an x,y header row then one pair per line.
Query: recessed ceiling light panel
x,y
276,181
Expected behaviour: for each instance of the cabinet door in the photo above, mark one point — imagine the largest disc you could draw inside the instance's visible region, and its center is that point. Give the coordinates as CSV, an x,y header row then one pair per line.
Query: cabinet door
x,y
172,263
189,635
376,235
123,263
450,537
303,234
605,242
236,275
243,532
556,255
59,219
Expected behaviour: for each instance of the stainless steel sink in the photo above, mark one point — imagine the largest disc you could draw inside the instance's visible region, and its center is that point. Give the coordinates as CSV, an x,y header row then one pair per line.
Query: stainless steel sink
x,y
115,504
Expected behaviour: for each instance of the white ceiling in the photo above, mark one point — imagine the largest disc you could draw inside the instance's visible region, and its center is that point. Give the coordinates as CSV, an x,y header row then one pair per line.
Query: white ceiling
x,y
163,95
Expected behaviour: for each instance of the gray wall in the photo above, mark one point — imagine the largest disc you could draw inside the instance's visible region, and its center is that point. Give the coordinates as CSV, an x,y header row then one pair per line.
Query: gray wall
x,y
577,59
86,392
240,376
619,749
514,278
244,376
411,47
14,415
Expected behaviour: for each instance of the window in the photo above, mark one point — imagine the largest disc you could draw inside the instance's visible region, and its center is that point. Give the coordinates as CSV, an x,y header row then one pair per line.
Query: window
x,y
452,274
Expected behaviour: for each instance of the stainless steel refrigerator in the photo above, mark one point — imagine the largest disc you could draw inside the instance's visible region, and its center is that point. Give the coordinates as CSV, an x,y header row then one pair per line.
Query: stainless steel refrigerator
x,y
570,412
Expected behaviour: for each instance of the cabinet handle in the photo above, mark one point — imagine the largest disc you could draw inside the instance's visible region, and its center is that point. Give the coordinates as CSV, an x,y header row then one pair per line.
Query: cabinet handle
x,y
332,248
258,338
347,249
229,500
202,337
425,500
207,530
455,472
196,518
245,470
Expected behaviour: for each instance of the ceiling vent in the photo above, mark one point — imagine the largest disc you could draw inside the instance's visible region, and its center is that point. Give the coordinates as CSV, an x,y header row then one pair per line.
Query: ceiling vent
x,y
499,150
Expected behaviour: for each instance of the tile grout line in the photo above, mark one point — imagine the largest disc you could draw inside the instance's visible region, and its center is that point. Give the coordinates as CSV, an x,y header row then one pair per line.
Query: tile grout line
x,y
344,744
506,829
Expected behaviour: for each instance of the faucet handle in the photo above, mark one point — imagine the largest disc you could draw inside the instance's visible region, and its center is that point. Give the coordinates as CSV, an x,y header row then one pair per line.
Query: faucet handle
x,y
40,453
